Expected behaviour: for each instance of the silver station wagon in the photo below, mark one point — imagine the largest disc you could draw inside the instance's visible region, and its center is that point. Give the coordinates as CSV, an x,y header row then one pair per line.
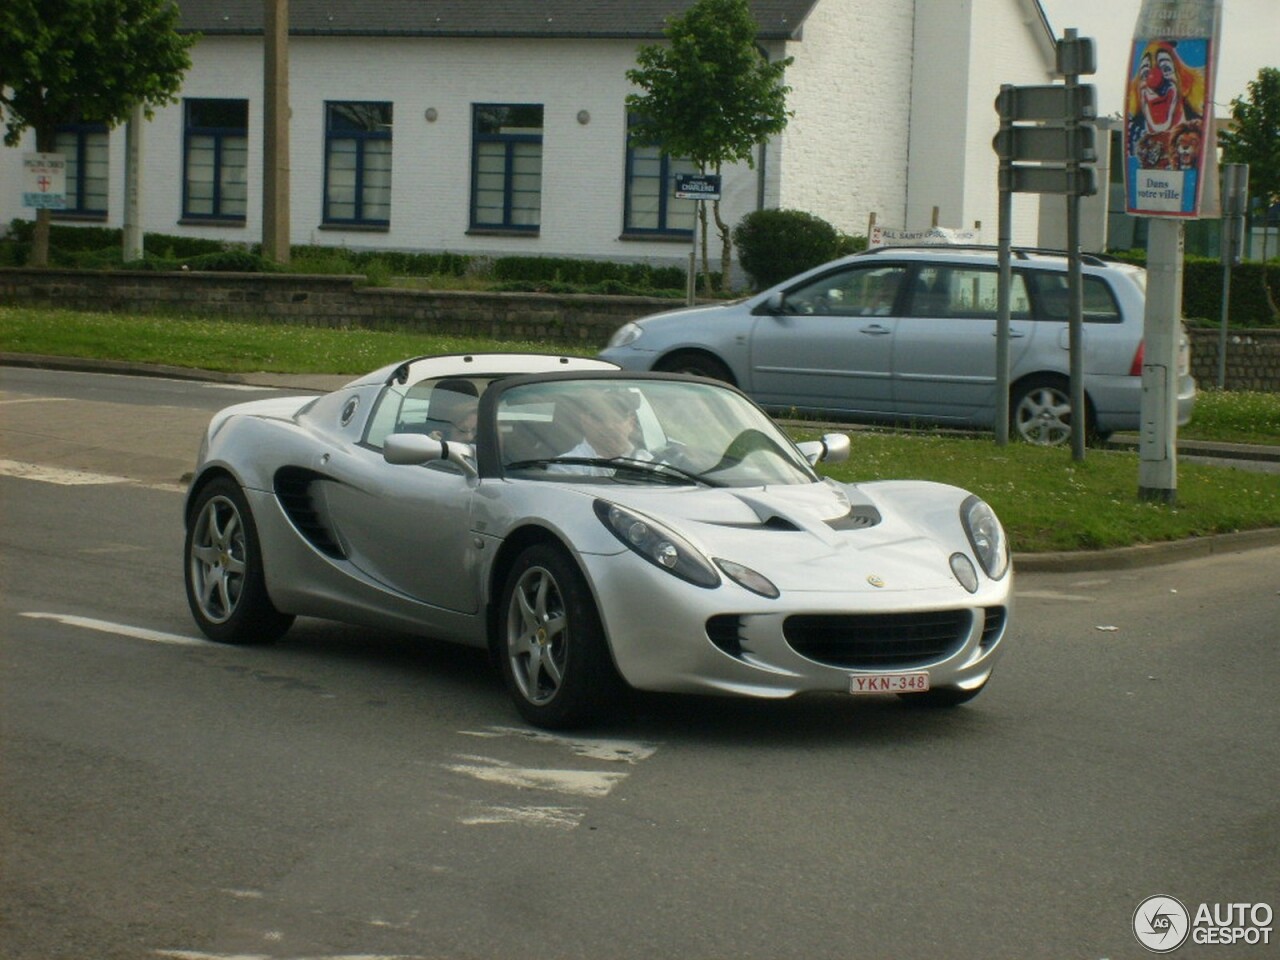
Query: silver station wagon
x,y
909,334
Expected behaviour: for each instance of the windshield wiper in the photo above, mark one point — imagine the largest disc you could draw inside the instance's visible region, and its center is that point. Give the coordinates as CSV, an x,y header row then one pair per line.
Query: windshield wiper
x,y
657,468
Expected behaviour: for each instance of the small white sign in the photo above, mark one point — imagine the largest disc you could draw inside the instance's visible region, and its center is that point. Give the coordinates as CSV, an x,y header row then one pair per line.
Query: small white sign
x,y
44,180
937,236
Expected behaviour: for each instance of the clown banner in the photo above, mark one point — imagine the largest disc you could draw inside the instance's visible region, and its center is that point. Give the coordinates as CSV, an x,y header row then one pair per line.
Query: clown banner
x,y
1169,107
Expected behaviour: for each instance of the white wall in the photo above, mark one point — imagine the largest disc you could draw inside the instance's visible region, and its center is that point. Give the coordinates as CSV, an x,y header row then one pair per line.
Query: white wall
x,y
583,168
953,164
843,156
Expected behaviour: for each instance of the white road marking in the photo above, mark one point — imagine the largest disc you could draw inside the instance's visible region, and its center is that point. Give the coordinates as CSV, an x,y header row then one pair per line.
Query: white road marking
x,y
70,478
1054,595
119,629
578,783
561,818
36,400
201,955
624,751
73,478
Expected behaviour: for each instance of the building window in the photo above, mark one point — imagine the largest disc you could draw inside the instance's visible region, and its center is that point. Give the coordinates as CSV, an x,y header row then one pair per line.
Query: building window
x,y
357,164
85,147
215,185
506,166
651,206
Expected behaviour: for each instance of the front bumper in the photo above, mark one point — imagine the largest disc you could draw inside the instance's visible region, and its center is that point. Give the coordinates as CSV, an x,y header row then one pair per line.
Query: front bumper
x,y
668,635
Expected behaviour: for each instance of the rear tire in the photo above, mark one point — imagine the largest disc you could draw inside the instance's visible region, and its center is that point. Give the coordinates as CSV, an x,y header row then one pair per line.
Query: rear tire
x,y
551,644
1040,411
695,364
226,589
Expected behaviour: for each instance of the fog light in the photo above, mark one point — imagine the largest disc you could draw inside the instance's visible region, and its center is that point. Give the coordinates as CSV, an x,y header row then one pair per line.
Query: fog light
x,y
965,572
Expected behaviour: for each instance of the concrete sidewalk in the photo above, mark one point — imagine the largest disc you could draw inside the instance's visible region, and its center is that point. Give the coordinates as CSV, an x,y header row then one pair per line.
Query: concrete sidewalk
x,y
161,451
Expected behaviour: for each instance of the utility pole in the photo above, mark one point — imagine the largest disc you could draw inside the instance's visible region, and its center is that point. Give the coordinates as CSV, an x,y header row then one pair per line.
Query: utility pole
x,y
275,139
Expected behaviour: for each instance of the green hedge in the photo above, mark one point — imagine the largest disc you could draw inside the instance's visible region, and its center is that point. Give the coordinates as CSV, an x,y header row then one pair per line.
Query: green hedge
x,y
1202,290
633,276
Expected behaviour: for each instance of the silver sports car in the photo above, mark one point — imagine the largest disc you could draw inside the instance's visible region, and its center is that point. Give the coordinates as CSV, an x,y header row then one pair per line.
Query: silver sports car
x,y
594,529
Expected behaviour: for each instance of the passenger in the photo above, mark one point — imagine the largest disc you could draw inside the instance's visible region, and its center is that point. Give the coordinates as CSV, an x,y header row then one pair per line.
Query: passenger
x,y
455,405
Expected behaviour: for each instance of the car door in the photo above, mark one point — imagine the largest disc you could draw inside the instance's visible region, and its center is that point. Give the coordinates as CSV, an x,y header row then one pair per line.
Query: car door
x,y
405,526
944,348
828,343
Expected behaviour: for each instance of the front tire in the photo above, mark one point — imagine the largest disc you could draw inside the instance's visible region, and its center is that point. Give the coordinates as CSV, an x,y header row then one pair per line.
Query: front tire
x,y
695,364
226,589
551,644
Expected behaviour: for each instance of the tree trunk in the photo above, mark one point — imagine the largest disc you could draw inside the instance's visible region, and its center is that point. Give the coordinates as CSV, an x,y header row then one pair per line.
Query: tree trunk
x,y
726,248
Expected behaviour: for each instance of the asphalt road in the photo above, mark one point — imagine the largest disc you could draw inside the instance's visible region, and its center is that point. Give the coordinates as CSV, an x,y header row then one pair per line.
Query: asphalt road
x,y
348,793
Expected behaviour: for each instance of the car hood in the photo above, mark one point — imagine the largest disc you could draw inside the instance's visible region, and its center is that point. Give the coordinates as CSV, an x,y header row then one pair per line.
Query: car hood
x,y
804,537
687,314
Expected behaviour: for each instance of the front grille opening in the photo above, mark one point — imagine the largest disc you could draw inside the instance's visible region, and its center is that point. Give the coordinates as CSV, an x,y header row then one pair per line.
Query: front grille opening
x,y
992,626
725,631
878,641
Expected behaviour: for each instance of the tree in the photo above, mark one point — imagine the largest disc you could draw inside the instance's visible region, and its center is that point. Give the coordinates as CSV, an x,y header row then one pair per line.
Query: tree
x,y
64,61
710,95
1255,139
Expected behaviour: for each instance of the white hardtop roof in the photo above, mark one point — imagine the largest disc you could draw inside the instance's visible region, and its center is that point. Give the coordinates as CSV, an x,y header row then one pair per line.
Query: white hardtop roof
x,y
482,364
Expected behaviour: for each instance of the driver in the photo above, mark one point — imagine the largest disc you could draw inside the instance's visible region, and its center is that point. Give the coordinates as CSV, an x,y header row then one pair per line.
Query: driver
x,y
606,419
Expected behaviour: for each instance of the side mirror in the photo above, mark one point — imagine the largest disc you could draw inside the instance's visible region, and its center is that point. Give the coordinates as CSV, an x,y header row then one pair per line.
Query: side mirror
x,y
832,448
417,449
773,305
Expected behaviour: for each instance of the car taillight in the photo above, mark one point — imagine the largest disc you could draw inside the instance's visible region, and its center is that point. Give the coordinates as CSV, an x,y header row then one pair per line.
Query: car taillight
x,y
1135,368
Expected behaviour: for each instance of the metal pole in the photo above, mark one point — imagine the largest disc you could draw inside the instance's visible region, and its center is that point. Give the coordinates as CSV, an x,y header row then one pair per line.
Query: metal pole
x,y
1075,283
1005,231
1222,329
133,233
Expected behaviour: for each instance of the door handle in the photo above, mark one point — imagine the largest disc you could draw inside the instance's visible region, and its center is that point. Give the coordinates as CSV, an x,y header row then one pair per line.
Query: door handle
x,y
875,330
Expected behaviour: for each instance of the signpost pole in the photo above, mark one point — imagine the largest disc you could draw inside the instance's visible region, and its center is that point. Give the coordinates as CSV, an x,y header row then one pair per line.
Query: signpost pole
x,y
1004,241
1075,282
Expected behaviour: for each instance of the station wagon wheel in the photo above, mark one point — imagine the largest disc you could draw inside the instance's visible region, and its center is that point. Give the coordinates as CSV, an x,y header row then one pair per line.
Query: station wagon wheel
x,y
696,364
223,561
554,656
1041,411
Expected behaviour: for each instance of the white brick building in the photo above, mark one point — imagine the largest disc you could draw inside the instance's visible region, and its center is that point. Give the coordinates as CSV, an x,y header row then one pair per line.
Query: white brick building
x,y
499,126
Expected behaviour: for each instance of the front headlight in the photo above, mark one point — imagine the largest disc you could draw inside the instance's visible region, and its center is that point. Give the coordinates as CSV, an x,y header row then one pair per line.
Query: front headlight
x,y
657,544
986,536
626,334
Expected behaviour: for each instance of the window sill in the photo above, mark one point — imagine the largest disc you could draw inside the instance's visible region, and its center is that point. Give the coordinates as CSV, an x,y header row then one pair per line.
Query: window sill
x,y
70,215
502,232
237,223
357,227
685,238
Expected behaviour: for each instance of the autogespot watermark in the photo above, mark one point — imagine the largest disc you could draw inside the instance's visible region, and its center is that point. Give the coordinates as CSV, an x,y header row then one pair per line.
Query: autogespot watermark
x,y
1162,923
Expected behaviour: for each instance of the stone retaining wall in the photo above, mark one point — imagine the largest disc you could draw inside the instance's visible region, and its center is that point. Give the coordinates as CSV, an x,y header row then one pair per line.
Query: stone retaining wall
x,y
1253,356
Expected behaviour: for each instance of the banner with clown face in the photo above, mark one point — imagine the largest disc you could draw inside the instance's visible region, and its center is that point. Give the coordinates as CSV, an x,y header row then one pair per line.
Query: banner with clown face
x,y
1169,107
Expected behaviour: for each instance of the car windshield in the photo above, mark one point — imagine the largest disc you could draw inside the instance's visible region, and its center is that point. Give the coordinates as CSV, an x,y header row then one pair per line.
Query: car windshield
x,y
614,430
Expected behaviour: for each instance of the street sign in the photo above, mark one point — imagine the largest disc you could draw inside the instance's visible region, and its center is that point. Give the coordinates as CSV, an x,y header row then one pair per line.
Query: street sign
x,y
1053,103
1082,182
697,186
1048,144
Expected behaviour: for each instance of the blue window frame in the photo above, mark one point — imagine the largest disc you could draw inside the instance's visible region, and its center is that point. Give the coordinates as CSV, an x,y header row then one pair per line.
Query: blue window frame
x,y
357,163
215,182
650,207
506,166
85,147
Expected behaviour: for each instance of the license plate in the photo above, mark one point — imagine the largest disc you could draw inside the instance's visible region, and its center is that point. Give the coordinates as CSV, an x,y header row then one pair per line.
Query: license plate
x,y
890,683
